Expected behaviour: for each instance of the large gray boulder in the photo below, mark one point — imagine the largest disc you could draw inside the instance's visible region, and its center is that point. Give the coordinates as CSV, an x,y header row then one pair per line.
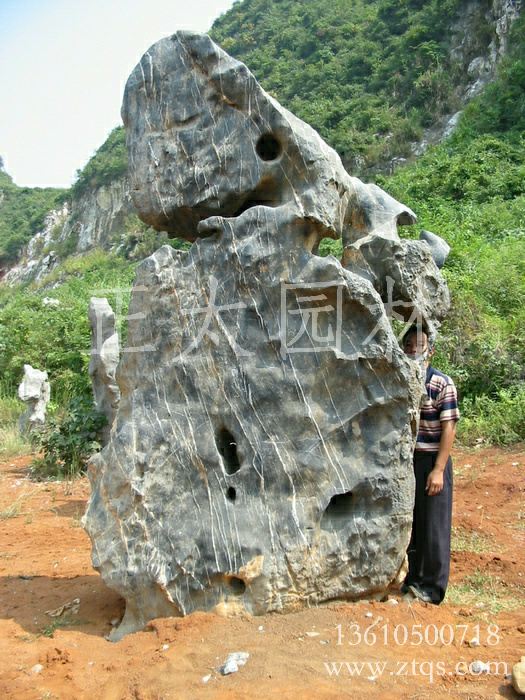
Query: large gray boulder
x,y
36,392
103,361
260,459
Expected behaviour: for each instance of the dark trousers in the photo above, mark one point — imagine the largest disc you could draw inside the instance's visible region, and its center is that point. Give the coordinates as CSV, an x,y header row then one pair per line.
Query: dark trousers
x,y
429,548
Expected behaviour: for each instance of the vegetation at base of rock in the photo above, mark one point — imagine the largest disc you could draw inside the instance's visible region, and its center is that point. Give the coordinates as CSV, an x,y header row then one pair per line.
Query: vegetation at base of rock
x,y
139,240
67,443
57,338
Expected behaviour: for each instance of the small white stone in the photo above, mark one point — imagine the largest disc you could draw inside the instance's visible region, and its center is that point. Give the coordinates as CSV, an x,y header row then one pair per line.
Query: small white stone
x,y
474,642
165,646
478,667
36,669
261,628
234,660
369,614
206,678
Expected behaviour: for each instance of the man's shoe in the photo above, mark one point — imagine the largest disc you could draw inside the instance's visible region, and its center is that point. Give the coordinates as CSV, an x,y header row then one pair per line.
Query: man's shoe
x,y
419,593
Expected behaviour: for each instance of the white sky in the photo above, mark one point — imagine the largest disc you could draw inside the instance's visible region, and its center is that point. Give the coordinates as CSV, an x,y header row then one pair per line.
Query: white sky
x,y
63,68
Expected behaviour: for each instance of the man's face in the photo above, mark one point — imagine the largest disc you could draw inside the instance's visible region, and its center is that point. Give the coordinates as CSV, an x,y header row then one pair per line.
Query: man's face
x,y
416,344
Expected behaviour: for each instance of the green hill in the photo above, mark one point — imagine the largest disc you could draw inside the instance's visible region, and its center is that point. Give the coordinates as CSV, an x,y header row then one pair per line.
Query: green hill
x,y
371,76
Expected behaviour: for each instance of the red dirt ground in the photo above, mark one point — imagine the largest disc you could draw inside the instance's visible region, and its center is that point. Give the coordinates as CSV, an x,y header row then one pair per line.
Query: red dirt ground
x,y
45,563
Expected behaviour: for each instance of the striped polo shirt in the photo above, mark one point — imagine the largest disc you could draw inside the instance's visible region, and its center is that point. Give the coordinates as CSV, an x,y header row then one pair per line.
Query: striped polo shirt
x,y
439,404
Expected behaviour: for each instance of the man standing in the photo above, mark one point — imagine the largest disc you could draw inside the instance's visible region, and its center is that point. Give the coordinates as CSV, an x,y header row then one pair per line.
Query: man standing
x,y
429,548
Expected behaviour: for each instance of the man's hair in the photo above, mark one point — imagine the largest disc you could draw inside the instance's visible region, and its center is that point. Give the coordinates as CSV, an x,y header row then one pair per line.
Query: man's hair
x,y
417,328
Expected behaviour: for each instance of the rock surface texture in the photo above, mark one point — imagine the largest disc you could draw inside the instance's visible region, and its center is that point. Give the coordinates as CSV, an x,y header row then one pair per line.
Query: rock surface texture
x,y
260,459
35,391
518,676
103,361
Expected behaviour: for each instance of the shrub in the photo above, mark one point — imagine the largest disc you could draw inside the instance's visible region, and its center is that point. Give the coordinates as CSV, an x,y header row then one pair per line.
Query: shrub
x,y
499,420
67,444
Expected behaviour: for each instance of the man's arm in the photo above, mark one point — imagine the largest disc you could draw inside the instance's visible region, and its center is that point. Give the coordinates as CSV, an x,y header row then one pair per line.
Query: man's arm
x,y
435,478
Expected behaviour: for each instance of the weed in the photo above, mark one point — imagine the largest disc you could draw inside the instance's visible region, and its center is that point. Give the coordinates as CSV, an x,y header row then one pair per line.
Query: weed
x,y
14,509
464,540
76,520
57,622
467,471
13,443
483,588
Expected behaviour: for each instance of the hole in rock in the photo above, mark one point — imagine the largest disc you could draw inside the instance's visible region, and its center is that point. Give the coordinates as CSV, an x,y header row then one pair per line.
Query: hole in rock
x,y
329,246
231,494
267,194
237,585
339,508
268,147
228,451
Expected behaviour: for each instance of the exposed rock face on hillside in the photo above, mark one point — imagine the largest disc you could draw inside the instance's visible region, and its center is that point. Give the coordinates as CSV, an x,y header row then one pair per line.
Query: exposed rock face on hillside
x,y
95,217
38,257
480,57
476,54
260,459
92,221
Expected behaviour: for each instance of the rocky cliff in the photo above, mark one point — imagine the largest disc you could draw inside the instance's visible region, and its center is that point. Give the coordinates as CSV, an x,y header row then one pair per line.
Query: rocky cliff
x,y
96,217
91,221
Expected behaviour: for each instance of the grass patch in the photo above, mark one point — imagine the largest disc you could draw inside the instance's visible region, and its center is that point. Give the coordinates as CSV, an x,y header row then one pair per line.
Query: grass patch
x,y
15,507
464,540
11,408
12,442
479,588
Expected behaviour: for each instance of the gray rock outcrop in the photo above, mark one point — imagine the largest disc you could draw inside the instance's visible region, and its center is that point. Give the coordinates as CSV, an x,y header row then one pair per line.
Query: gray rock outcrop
x,y
260,458
439,248
103,361
35,391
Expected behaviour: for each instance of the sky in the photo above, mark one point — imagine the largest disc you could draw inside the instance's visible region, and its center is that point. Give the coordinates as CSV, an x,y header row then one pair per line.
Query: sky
x,y
63,68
